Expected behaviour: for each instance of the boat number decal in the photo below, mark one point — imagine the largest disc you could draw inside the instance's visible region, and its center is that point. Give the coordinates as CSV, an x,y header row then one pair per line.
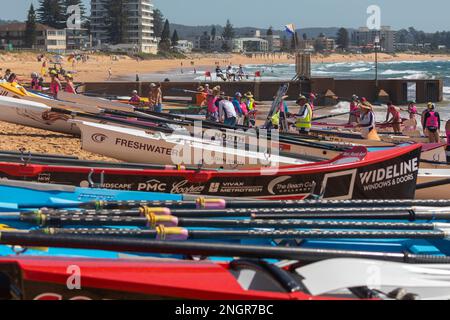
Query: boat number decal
x,y
99,137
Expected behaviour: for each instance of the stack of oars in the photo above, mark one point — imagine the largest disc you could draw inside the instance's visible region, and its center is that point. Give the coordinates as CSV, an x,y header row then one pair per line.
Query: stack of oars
x,y
153,226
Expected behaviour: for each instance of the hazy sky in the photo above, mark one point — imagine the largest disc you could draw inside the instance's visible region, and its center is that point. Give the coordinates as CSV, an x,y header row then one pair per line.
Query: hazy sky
x,y
429,15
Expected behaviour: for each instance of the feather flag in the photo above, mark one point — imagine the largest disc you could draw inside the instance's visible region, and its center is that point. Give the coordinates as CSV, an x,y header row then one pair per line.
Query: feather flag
x,y
290,28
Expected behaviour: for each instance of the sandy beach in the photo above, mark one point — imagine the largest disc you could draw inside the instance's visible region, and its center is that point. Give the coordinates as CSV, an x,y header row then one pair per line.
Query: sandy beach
x,y
14,137
96,68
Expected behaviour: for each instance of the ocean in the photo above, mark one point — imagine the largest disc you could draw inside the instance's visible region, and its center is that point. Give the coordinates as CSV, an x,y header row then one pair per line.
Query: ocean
x,y
341,70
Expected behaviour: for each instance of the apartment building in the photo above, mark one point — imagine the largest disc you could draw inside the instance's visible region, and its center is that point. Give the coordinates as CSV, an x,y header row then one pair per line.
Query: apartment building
x,y
366,38
139,35
47,38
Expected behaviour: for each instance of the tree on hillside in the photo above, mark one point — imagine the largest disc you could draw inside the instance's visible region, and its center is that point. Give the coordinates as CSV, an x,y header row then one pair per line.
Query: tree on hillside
x,y
228,31
164,44
342,39
305,36
213,32
116,20
158,22
30,30
175,38
50,13
270,31
66,4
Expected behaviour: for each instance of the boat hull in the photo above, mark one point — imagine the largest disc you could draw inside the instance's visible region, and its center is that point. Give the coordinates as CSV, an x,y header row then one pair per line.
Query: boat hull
x,y
347,177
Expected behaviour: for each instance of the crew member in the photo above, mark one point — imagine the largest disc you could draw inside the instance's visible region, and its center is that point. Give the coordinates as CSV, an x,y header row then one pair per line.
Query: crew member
x,y
367,122
200,97
135,99
227,112
411,124
432,122
239,107
55,83
70,87
213,111
250,120
447,134
396,120
304,116
354,110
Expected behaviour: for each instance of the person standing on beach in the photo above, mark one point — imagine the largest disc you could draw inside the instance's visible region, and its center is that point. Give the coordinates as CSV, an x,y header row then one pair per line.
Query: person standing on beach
x,y
158,98
447,134
354,110
367,122
109,74
212,113
432,122
7,74
200,97
227,112
70,87
411,123
239,107
55,83
250,119
396,120
304,116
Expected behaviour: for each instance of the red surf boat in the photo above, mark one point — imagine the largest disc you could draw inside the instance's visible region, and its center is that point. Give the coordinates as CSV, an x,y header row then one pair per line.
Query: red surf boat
x,y
356,174
44,278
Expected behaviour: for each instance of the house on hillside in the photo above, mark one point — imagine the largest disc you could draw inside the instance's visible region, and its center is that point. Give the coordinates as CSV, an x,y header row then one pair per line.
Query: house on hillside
x,y
47,38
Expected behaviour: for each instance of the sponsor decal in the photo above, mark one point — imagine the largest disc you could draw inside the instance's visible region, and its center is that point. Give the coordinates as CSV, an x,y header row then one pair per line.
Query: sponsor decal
x,y
143,146
214,187
117,186
181,187
279,186
152,185
44,177
99,137
52,117
239,187
389,176
184,186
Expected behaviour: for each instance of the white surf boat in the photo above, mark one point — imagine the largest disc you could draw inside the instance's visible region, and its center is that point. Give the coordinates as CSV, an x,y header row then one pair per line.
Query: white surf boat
x,y
139,146
35,115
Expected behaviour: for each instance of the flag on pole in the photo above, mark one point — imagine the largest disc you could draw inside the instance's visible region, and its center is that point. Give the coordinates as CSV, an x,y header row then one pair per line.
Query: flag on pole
x,y
290,28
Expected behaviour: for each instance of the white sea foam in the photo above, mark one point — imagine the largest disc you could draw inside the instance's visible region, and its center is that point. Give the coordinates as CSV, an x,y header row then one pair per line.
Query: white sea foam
x,y
392,72
361,69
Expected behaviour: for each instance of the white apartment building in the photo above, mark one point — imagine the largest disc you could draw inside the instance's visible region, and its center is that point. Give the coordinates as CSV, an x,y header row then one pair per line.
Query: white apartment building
x,y
139,34
366,38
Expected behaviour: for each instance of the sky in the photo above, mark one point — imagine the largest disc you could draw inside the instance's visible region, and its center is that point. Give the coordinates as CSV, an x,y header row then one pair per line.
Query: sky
x,y
429,15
